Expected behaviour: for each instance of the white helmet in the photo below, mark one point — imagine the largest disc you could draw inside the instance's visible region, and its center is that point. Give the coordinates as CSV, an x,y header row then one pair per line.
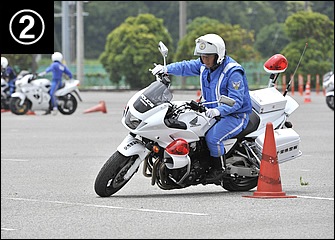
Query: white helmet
x,y
210,44
4,62
57,56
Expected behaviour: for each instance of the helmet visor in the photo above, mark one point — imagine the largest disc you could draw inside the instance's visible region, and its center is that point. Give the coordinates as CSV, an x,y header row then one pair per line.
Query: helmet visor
x,y
203,47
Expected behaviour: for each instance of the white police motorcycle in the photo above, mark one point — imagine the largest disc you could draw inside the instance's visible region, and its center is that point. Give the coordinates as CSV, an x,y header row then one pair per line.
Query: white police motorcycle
x,y
32,94
4,94
168,137
328,85
5,90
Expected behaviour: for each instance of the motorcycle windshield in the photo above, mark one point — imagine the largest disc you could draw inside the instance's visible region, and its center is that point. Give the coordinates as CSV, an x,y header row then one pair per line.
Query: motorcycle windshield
x,y
156,94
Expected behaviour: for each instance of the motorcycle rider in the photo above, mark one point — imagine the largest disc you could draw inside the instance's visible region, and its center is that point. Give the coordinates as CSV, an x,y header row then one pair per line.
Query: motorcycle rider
x,y
57,68
8,73
219,75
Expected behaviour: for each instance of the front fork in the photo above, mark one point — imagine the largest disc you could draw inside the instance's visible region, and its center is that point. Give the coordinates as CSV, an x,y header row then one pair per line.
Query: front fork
x,y
131,146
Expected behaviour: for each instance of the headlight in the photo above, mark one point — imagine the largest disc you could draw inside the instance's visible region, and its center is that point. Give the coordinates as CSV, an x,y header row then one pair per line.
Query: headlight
x,y
131,121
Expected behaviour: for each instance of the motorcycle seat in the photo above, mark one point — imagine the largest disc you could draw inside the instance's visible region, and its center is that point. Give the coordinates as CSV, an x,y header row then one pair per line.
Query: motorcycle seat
x,y
63,85
253,123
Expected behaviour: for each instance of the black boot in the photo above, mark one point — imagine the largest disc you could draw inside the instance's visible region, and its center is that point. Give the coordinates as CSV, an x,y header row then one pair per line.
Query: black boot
x,y
48,111
215,171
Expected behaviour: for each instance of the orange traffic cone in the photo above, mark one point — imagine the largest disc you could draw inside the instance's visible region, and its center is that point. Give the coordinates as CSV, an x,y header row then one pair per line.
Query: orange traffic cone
x,y
4,110
30,113
269,183
100,107
198,95
307,93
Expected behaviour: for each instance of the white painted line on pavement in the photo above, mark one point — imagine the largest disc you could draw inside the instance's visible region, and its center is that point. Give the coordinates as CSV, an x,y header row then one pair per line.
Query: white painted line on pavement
x,y
110,207
320,198
8,229
15,160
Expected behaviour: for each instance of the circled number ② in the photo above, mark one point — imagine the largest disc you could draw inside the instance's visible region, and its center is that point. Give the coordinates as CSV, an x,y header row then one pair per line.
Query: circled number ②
x,y
31,23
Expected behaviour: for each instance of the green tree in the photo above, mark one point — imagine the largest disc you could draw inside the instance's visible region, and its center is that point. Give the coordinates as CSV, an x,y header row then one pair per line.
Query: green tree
x,y
324,7
104,16
20,62
317,31
250,15
271,39
132,48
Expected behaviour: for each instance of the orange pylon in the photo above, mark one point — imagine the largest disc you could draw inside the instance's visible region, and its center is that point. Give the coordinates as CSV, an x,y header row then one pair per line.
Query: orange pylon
x,y
30,113
269,182
100,107
307,93
198,95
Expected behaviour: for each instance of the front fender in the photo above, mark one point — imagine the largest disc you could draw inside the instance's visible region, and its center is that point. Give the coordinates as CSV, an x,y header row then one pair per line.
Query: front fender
x,y
330,93
76,91
19,95
131,146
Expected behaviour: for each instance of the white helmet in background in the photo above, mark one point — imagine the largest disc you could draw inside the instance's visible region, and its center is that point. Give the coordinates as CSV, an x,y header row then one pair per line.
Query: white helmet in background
x,y
210,44
57,56
4,62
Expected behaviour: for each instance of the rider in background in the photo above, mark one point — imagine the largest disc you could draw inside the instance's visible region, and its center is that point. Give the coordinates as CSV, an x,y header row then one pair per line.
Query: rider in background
x,y
219,75
8,73
57,68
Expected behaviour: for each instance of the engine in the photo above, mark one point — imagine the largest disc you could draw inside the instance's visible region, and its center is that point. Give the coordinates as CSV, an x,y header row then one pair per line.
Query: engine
x,y
186,176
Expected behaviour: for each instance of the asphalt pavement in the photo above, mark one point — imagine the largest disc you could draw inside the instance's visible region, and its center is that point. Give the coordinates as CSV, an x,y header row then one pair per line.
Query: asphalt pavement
x,y
49,165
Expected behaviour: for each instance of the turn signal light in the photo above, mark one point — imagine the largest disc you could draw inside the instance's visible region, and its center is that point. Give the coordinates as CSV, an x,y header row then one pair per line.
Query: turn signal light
x,y
155,149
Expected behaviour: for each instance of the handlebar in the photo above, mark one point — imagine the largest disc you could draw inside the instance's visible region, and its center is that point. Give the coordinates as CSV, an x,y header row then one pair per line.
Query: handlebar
x,y
197,106
165,79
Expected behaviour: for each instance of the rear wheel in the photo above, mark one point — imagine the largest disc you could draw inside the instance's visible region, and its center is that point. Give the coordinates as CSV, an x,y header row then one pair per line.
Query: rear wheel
x,y
239,183
16,108
111,176
67,104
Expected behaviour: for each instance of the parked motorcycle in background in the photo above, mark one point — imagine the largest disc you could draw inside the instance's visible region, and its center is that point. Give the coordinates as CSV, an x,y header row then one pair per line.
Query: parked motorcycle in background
x,y
32,94
4,94
5,91
168,137
328,85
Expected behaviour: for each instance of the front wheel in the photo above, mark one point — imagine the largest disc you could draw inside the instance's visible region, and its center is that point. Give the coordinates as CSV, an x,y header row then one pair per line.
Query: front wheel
x,y
111,176
330,102
16,108
67,104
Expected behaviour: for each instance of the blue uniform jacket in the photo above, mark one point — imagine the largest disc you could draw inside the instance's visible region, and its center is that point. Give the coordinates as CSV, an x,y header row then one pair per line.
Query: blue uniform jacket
x,y
57,70
228,79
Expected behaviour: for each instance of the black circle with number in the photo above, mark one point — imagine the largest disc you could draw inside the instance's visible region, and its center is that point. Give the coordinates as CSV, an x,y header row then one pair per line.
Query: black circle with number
x,y
26,26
